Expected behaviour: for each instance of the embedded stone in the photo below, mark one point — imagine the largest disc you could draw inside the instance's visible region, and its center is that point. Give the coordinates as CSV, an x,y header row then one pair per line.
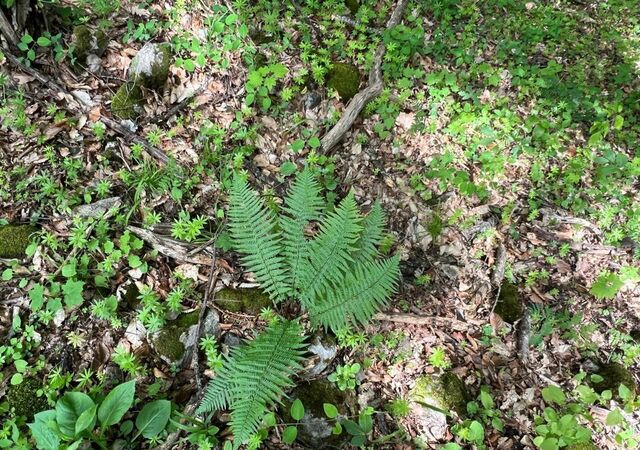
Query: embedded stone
x,y
150,67
344,79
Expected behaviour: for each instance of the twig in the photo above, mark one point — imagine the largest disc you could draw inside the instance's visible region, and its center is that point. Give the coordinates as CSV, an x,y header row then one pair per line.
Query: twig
x,y
52,85
415,319
524,333
373,89
163,117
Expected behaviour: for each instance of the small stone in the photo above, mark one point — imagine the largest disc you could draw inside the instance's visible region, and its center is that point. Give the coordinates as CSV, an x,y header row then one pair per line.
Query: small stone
x,y
14,240
508,306
231,340
344,79
150,67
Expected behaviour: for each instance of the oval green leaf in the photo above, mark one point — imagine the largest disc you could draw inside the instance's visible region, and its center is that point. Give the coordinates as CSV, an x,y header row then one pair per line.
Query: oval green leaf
x,y
116,403
153,418
297,410
289,435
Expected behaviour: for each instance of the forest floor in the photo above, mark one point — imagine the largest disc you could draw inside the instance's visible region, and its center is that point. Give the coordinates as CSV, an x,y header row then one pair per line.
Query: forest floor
x,y
481,150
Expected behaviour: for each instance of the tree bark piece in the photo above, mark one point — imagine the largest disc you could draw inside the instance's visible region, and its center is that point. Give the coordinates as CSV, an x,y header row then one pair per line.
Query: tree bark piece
x,y
54,87
7,30
373,89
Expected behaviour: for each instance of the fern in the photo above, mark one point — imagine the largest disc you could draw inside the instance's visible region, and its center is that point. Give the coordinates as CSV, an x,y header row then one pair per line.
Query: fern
x,y
337,277
253,232
254,378
330,251
358,296
303,205
372,233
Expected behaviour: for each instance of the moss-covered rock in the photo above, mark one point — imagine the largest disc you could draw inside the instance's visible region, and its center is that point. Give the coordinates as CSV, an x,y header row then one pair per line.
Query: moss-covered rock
x,y
613,375
248,301
170,341
176,341
353,5
446,392
431,400
315,430
14,240
23,398
86,42
582,446
150,67
127,101
345,79
509,306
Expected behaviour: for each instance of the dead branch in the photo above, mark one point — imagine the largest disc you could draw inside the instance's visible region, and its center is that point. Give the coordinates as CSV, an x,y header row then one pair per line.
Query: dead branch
x,y
414,319
169,247
59,91
373,89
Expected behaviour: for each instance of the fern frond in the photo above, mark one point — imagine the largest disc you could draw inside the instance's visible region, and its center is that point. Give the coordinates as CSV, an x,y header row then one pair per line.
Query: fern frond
x,y
329,252
362,293
303,204
254,234
256,376
372,233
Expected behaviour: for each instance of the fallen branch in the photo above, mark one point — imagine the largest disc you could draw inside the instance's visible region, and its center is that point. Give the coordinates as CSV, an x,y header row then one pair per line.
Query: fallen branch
x,y
52,85
373,89
170,247
414,319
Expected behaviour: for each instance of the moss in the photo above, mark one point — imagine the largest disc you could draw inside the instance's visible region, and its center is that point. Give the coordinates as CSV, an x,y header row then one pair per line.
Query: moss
x,y
248,301
353,5
187,319
582,446
315,428
509,306
345,79
168,344
613,375
24,400
81,42
448,391
86,42
150,67
14,240
127,101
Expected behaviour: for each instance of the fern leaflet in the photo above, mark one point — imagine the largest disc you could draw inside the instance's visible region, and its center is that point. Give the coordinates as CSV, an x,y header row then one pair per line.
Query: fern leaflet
x,y
253,231
361,294
303,204
329,257
373,230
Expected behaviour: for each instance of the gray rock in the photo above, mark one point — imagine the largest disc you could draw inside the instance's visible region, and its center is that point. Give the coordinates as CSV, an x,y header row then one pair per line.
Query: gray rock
x,y
150,67
324,351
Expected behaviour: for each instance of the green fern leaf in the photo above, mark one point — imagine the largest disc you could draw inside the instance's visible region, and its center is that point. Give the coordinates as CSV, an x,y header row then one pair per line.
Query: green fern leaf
x,y
372,233
329,253
253,232
255,376
362,293
303,204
